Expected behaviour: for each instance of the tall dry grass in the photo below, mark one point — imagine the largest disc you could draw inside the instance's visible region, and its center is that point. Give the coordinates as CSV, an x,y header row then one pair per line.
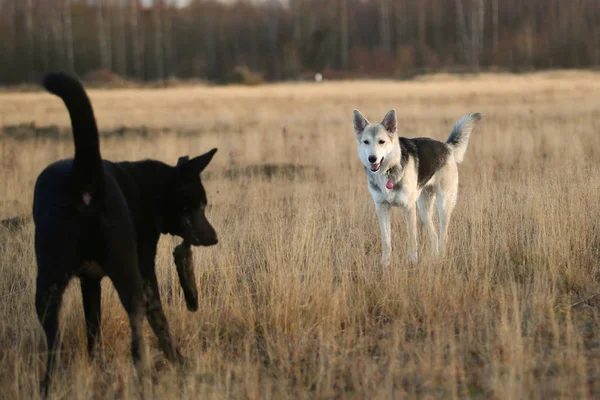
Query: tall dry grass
x,y
293,303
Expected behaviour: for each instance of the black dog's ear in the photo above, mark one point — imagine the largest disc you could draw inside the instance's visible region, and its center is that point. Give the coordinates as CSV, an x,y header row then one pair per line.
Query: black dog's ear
x,y
199,163
182,160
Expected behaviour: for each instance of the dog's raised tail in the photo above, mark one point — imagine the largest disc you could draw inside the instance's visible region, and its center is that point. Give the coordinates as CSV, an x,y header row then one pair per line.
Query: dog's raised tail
x,y
459,137
87,171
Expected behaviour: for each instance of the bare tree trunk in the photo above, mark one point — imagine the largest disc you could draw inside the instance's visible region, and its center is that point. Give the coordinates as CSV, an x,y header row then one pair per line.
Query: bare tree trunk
x,y
136,35
11,40
57,28
297,7
595,35
534,30
68,34
158,40
253,46
344,43
384,25
438,23
495,26
422,23
118,37
422,31
462,33
168,41
211,47
296,10
103,38
399,23
44,38
29,41
273,31
477,22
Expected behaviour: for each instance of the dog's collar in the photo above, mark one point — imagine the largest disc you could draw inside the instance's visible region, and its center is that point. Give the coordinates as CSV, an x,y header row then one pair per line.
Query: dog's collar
x,y
394,173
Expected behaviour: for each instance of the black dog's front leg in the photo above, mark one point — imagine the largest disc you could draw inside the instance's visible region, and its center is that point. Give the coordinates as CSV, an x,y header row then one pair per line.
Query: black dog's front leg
x,y
158,321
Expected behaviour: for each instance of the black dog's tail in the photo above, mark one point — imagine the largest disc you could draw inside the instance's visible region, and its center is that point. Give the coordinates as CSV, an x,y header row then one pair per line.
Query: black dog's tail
x,y
87,172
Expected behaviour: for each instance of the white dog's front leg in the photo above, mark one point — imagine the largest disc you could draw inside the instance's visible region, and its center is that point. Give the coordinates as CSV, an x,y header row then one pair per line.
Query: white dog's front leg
x,y
411,225
383,214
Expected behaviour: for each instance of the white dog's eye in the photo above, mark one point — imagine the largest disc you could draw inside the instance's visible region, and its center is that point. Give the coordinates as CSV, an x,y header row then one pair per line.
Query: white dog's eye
x,y
381,141
366,142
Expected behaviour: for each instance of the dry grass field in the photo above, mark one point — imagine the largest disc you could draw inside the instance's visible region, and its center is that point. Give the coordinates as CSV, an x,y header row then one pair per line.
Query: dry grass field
x,y
293,303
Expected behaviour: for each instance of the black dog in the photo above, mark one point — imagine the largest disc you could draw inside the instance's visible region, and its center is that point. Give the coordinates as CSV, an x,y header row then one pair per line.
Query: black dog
x,y
97,218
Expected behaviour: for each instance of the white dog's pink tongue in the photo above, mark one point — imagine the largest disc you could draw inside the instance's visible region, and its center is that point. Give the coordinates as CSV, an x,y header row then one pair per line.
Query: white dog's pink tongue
x,y
389,185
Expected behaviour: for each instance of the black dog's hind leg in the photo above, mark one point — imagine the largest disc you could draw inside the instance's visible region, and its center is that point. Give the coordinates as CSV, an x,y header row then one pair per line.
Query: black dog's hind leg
x,y
56,261
128,283
158,321
48,298
91,292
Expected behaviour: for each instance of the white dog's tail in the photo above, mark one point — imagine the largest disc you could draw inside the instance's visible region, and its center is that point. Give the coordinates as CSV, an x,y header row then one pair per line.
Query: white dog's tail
x,y
459,137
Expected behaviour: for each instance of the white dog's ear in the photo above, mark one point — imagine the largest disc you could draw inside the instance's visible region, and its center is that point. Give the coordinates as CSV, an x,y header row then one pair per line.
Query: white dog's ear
x,y
360,122
389,122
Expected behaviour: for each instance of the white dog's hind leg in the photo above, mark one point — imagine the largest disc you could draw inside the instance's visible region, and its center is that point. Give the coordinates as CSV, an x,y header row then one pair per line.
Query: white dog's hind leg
x,y
446,200
384,216
411,224
425,206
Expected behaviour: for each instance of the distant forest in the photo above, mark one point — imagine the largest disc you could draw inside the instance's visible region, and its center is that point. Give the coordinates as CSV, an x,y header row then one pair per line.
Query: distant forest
x,y
209,39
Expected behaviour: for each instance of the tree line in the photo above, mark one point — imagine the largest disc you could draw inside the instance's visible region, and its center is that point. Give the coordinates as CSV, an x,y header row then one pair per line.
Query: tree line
x,y
208,39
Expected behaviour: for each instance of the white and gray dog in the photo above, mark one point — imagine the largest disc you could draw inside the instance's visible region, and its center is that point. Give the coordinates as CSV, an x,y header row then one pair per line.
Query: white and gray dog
x,y
412,174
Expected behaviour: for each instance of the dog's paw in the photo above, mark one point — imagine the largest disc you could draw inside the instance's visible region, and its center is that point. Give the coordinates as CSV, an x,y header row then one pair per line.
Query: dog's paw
x,y
413,257
179,358
44,388
441,249
386,261
182,361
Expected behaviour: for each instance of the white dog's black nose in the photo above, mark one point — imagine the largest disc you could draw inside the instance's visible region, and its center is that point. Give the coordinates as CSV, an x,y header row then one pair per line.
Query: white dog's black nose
x,y
372,159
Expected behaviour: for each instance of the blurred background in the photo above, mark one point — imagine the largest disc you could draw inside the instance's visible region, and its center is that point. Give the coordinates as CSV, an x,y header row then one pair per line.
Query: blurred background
x,y
291,302
247,41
